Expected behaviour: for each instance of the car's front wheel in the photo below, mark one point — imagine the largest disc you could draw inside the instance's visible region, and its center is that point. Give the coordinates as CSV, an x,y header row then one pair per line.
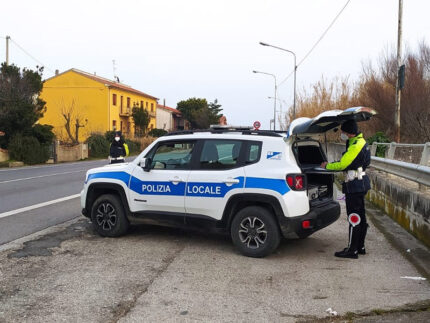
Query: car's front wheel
x,y
255,232
108,217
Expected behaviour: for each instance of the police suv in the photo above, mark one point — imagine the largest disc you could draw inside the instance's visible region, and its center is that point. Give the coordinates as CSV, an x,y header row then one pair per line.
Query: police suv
x,y
255,185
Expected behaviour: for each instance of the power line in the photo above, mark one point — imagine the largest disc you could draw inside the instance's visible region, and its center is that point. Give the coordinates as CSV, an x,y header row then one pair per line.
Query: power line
x,y
317,42
31,56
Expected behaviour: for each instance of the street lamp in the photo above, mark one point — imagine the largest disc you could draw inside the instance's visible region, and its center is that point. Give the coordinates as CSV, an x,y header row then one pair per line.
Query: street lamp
x,y
280,109
276,89
295,69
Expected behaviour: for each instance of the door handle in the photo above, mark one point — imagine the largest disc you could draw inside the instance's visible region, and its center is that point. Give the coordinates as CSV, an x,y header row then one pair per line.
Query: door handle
x,y
176,180
231,181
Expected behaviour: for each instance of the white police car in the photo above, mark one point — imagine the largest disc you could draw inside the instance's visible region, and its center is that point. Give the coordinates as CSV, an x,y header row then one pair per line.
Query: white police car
x,y
255,185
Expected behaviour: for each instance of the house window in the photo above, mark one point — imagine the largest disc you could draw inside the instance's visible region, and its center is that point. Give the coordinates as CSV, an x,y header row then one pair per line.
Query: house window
x,y
114,125
114,99
141,104
128,102
152,107
146,105
121,101
120,127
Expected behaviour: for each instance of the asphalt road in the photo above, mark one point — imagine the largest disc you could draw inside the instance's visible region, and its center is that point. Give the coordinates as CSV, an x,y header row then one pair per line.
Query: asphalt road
x,y
28,187
70,274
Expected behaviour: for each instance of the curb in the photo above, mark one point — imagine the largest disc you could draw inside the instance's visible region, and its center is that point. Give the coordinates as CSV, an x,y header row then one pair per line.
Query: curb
x,y
409,246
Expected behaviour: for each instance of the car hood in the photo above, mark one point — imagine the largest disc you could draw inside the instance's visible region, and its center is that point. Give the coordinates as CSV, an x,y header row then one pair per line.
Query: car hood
x,y
328,120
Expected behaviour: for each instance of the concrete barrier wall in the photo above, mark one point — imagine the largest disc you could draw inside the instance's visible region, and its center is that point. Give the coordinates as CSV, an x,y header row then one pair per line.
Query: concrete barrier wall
x,y
398,198
409,208
71,153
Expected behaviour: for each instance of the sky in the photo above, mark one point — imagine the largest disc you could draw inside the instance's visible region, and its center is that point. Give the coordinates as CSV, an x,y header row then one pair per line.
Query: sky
x,y
175,50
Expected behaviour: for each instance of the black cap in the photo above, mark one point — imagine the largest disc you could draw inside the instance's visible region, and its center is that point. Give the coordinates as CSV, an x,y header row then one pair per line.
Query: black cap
x,y
118,133
350,126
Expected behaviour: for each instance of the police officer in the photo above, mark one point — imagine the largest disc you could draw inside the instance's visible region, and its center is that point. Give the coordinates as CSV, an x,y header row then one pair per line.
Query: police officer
x,y
117,149
354,162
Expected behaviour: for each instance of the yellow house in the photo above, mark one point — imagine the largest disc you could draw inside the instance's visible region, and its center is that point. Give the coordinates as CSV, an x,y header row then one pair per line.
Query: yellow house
x,y
92,104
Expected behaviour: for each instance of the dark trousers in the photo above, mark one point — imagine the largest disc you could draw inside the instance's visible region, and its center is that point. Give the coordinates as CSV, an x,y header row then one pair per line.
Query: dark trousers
x,y
357,233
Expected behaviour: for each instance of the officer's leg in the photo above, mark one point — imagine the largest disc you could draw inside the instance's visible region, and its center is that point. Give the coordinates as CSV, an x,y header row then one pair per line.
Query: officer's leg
x,y
354,219
364,227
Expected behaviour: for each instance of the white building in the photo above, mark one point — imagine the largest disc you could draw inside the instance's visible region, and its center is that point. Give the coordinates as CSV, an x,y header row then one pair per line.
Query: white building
x,y
170,119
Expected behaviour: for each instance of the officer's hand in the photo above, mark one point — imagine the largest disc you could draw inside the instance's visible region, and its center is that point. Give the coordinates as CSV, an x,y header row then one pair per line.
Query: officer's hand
x,y
323,164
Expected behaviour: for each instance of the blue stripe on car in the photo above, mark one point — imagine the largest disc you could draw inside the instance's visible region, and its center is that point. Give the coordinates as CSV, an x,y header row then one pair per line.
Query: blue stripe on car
x,y
278,185
195,189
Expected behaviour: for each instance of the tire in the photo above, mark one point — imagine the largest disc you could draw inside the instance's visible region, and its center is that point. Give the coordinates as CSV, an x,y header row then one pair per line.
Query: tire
x,y
255,232
108,216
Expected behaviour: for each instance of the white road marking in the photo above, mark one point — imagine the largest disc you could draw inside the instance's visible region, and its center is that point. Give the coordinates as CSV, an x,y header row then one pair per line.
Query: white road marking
x,y
50,165
36,206
27,178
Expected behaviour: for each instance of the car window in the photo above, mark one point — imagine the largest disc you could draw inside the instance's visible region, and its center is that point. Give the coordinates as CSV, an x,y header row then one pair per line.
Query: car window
x,y
173,155
254,151
220,154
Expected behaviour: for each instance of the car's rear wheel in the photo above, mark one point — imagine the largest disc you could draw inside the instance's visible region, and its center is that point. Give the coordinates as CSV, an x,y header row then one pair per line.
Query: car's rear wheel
x,y
255,232
108,217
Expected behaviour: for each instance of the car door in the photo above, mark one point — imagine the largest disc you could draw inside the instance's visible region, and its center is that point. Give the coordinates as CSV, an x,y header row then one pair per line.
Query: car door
x,y
216,175
161,190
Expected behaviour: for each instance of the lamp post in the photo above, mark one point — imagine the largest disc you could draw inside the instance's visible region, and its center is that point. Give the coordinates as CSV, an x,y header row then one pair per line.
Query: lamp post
x,y
295,69
276,89
280,109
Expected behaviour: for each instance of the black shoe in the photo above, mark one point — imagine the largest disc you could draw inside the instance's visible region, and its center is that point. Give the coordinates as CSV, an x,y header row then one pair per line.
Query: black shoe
x,y
346,253
361,251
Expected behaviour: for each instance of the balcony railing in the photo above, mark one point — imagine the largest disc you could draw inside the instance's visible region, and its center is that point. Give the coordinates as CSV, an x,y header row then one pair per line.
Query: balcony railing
x,y
124,112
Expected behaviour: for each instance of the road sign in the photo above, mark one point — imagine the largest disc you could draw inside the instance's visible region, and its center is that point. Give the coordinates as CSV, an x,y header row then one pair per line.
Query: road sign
x,y
257,125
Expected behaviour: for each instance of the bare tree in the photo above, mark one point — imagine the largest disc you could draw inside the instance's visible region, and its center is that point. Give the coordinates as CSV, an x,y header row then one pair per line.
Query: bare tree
x,y
69,115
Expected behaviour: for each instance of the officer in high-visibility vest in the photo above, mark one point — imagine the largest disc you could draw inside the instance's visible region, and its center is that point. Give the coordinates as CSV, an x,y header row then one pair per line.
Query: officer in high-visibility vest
x,y
354,162
118,149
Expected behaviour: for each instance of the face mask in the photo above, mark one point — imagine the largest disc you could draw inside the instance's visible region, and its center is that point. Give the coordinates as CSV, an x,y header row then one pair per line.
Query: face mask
x,y
117,138
343,136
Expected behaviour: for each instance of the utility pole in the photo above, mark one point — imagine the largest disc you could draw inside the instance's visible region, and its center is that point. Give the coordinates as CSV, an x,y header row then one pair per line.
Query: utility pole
x,y
7,50
399,58
274,108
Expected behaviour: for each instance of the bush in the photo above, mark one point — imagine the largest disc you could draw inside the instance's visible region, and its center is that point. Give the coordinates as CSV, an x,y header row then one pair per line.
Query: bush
x,y
98,146
379,137
157,132
43,133
28,149
133,146
110,135
145,142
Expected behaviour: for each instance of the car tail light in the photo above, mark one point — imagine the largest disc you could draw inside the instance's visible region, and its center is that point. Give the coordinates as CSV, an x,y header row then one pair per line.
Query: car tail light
x,y
297,182
306,224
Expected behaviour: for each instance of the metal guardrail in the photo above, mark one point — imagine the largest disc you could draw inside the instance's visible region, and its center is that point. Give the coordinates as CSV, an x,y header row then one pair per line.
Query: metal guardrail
x,y
419,173
413,172
425,156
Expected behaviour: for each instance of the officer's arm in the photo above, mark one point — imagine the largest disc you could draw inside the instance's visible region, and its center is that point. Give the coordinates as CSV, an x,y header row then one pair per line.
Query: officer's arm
x,y
347,158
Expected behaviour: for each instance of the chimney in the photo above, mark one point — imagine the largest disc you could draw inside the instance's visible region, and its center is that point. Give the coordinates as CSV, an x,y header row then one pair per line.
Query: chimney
x,y
57,72
164,102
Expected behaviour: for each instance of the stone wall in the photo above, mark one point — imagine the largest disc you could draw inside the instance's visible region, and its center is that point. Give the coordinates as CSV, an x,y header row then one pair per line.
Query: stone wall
x,y
402,202
71,153
3,155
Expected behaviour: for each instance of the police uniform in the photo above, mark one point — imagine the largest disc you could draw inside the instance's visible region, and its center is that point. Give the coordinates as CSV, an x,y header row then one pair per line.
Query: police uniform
x,y
117,150
354,162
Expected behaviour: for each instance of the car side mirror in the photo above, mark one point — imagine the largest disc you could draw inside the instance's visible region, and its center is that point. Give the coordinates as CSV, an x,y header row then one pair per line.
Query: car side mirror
x,y
145,163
